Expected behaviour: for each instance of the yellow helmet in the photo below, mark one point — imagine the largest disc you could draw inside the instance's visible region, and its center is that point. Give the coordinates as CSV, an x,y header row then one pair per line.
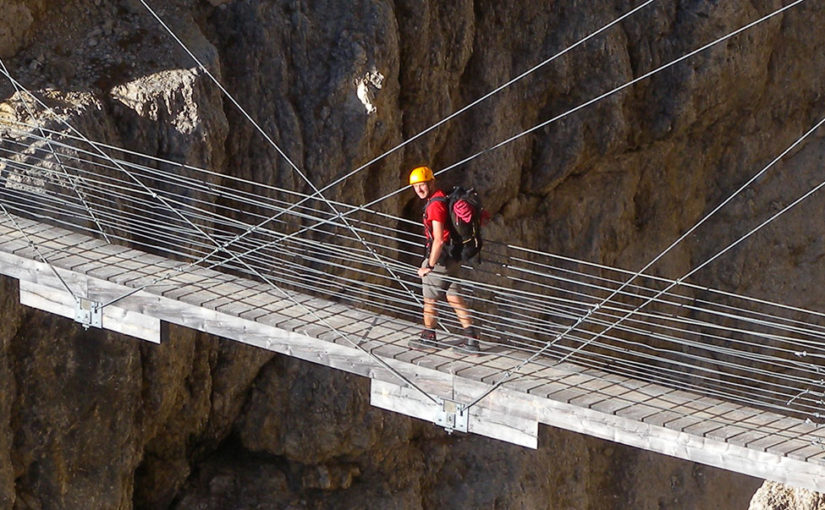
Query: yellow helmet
x,y
421,174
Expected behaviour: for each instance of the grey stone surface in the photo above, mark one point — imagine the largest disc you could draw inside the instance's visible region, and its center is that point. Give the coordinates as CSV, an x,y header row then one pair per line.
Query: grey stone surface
x,y
89,419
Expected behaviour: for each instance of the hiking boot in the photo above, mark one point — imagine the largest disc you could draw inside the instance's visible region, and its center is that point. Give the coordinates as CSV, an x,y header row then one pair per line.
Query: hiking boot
x,y
471,337
471,346
427,339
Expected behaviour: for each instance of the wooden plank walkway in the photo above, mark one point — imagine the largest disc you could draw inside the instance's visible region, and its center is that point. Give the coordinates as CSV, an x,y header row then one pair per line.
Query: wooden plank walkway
x,y
654,417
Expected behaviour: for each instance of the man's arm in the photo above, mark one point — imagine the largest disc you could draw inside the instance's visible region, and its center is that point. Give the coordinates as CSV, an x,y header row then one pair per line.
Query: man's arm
x,y
435,248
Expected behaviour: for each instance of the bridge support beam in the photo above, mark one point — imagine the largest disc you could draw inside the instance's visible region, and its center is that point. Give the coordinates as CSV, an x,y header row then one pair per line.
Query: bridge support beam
x,y
113,318
453,416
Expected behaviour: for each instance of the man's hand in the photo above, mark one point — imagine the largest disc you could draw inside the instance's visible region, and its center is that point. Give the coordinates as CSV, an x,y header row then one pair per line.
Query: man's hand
x,y
436,247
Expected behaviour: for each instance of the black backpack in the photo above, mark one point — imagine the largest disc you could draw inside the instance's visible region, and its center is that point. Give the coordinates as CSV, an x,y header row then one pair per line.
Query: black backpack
x,y
464,206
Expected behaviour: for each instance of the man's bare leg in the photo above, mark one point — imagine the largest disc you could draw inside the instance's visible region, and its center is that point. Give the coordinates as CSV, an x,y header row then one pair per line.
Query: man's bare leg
x,y
430,313
461,311
428,336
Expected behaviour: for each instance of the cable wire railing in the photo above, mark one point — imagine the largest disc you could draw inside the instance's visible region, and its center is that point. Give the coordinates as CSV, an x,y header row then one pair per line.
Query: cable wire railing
x,y
547,308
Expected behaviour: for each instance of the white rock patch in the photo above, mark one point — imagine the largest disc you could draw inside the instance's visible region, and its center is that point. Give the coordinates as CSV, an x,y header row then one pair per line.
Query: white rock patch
x,y
365,87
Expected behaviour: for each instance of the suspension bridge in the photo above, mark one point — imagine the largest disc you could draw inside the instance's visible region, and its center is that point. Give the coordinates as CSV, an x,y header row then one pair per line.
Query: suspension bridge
x,y
105,285
125,241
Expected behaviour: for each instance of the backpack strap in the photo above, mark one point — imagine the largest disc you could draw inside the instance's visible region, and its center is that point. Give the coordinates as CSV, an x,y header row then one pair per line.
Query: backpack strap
x,y
448,225
434,199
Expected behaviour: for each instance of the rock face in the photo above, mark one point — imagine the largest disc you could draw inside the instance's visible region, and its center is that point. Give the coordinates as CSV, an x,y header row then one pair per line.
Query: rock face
x,y
775,496
92,420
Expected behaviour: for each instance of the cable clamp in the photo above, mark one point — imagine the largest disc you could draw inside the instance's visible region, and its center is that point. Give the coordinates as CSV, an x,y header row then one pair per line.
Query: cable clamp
x,y
453,416
88,313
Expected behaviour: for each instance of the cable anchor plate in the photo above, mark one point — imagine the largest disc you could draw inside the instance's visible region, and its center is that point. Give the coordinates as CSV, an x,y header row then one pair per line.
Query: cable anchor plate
x,y
453,416
88,313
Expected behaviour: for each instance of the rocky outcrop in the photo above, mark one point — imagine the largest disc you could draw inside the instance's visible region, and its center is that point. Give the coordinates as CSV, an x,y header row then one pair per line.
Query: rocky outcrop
x,y
89,419
775,496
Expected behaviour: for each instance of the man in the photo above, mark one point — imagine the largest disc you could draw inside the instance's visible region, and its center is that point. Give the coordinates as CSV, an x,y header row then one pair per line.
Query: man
x,y
438,270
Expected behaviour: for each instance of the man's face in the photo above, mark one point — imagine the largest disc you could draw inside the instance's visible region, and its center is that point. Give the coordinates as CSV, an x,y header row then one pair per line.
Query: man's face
x,y
422,189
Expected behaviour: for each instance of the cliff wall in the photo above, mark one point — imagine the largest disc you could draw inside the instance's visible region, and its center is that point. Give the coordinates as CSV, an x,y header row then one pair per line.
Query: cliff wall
x,y
92,420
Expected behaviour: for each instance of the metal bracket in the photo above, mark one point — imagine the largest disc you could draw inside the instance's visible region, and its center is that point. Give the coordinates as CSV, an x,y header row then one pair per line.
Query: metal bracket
x,y
88,313
453,416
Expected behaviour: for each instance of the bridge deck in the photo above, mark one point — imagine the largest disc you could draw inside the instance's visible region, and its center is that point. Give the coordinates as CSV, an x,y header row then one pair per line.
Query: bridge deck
x,y
649,416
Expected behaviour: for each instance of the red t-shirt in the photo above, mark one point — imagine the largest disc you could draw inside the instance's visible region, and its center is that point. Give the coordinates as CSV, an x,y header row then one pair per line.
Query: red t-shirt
x,y
437,211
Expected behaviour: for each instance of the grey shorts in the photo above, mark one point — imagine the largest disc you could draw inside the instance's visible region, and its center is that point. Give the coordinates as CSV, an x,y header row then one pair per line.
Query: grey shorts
x,y
436,283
